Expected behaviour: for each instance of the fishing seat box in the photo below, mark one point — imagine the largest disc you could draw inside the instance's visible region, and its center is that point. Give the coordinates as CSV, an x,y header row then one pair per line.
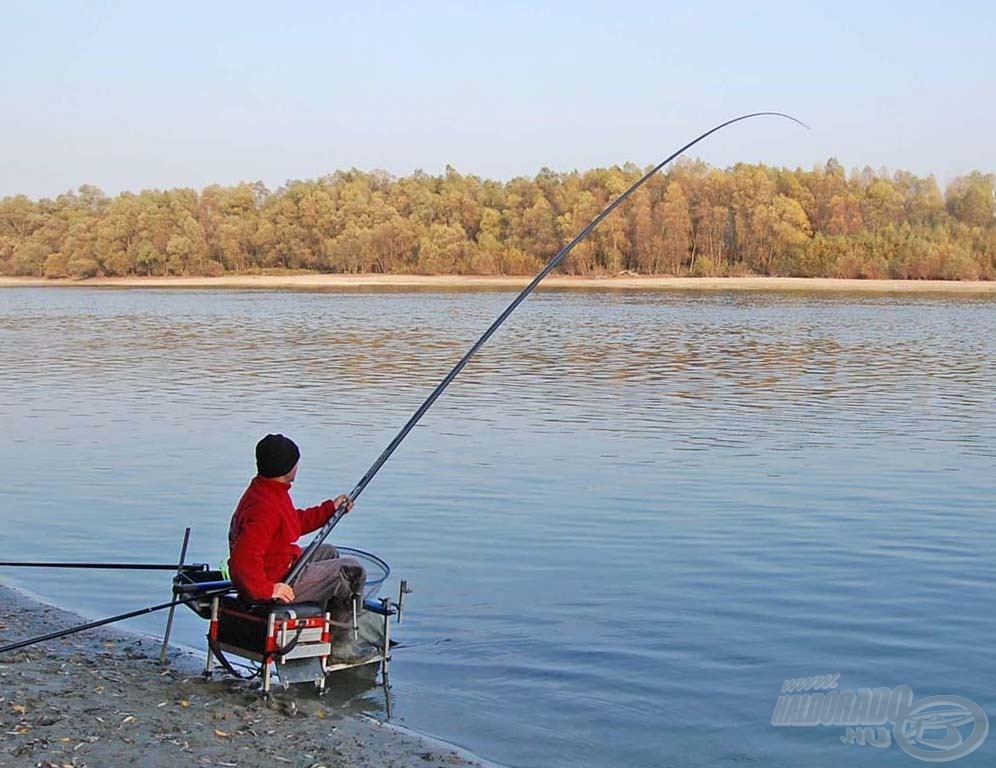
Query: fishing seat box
x,y
270,631
257,631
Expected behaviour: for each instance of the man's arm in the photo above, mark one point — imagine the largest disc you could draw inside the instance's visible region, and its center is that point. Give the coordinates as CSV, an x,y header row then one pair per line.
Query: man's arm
x,y
313,518
246,559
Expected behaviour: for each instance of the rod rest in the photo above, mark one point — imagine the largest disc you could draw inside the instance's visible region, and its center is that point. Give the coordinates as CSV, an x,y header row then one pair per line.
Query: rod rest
x,y
381,609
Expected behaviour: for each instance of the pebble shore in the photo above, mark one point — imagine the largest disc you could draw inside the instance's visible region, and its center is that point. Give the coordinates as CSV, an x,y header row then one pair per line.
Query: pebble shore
x,y
101,698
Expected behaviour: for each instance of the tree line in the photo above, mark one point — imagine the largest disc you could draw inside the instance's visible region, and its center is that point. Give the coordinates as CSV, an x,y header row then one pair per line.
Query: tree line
x,y
692,220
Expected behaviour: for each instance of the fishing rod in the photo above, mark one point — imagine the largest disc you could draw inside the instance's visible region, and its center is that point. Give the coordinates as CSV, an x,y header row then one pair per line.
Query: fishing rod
x,y
105,566
309,552
112,619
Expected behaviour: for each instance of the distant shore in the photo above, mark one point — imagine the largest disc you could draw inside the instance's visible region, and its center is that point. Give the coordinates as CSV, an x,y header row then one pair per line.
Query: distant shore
x,y
101,698
627,282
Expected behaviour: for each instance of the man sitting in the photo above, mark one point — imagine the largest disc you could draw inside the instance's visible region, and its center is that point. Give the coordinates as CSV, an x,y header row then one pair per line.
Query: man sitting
x,y
262,541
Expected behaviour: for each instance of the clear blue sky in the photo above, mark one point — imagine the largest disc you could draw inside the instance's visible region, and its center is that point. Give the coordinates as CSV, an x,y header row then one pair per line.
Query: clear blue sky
x,y
141,94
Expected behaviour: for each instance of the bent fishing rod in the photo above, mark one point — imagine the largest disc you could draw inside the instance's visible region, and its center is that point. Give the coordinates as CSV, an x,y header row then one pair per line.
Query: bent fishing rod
x,y
309,552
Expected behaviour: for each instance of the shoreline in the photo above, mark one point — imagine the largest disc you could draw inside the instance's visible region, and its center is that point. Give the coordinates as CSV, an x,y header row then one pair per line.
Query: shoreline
x,y
101,698
626,282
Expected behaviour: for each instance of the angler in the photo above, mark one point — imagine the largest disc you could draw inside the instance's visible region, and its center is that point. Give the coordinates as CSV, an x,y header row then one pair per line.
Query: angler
x,y
262,538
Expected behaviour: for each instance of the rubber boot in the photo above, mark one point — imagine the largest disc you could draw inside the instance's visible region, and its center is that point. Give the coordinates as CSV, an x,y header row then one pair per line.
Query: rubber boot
x,y
346,649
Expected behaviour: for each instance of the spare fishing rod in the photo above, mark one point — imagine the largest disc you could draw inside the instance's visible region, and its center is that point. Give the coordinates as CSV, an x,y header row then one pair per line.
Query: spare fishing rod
x,y
112,619
309,552
106,566
118,566
202,591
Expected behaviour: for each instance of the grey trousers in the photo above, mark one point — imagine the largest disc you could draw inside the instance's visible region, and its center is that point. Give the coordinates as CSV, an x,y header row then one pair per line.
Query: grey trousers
x,y
330,579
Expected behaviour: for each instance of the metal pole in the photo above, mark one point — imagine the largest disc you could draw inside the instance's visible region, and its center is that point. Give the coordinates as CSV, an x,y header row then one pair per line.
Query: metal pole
x,y
356,621
309,552
403,590
172,610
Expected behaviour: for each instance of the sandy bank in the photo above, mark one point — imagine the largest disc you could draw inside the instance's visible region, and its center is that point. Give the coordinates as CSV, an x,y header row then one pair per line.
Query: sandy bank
x,y
317,281
101,699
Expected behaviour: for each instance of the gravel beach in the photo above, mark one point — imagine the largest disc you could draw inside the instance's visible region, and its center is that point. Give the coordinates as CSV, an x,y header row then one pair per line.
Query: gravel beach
x,y
100,698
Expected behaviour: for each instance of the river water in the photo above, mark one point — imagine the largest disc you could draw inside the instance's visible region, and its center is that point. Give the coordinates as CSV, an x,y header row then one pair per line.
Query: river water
x,y
627,522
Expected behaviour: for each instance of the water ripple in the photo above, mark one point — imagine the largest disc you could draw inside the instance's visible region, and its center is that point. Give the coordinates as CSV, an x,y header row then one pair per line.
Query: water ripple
x,y
630,518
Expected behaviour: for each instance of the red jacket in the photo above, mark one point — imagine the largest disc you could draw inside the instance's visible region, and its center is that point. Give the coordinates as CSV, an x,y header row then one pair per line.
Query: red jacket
x,y
263,533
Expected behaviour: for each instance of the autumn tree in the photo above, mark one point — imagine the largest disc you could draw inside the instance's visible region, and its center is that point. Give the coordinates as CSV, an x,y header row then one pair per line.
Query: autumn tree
x,y
693,219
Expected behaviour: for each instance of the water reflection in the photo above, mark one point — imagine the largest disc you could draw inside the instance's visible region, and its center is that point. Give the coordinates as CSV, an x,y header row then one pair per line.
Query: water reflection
x,y
627,521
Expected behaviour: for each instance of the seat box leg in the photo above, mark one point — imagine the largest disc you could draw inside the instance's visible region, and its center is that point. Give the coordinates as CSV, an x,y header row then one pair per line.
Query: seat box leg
x,y
211,637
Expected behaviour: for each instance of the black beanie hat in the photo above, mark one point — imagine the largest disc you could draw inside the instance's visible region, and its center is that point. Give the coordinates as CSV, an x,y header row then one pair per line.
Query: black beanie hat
x,y
276,455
